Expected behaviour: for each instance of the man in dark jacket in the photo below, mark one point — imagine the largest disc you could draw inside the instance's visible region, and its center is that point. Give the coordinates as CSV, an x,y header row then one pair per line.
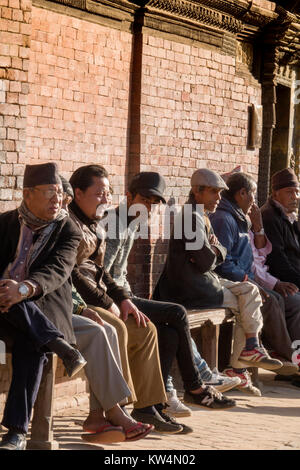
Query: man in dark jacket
x,y
279,217
37,255
235,216
189,278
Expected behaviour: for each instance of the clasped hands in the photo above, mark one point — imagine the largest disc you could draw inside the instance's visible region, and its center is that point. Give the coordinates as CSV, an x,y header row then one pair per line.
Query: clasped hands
x,y
9,294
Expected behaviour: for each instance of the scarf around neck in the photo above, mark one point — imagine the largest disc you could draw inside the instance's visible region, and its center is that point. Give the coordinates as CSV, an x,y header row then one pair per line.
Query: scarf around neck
x,y
30,219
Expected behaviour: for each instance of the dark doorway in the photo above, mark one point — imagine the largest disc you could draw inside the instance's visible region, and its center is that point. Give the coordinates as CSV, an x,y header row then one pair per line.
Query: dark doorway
x,y
281,133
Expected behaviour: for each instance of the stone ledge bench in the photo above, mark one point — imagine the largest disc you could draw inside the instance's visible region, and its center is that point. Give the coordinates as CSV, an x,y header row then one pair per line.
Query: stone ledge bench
x,y
205,326
212,331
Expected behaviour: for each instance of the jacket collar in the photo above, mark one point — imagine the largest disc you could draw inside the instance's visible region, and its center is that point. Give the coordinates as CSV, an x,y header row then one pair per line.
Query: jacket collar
x,y
227,205
91,223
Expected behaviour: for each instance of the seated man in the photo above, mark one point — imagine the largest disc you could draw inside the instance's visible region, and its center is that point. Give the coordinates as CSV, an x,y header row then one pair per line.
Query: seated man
x,y
98,342
37,255
279,218
234,217
137,336
174,337
189,278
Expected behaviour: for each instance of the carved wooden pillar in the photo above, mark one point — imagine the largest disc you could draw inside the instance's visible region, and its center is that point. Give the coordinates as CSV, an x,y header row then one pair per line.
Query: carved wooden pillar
x,y
269,121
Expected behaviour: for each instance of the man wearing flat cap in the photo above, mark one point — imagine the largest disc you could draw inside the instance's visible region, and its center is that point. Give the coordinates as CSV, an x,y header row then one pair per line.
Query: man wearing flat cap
x,y
280,223
37,255
147,189
189,276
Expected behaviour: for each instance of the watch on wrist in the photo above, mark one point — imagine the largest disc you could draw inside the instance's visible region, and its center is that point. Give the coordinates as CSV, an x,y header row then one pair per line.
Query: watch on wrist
x,y
23,290
260,232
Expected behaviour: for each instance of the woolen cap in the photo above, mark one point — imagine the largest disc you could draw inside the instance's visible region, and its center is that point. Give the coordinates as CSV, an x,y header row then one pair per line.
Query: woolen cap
x,y
284,179
67,186
44,173
148,183
205,177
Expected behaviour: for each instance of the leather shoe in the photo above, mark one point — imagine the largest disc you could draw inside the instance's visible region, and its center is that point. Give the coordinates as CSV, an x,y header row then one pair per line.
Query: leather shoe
x,y
13,441
73,362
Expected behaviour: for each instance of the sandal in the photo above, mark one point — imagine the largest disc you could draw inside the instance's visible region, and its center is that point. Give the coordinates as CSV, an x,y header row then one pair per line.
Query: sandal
x,y
106,434
143,428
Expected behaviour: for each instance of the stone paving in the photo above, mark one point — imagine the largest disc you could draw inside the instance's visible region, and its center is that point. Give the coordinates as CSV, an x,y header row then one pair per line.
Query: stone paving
x,y
269,422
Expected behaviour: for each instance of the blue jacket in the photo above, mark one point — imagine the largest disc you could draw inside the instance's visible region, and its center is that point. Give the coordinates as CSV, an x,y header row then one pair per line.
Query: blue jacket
x,y
231,228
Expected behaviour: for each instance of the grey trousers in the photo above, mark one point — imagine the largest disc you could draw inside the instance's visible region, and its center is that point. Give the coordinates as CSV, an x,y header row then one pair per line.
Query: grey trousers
x,y
99,346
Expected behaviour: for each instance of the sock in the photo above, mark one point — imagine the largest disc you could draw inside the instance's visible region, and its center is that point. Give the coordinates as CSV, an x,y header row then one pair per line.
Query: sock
x,y
150,410
251,343
159,407
238,371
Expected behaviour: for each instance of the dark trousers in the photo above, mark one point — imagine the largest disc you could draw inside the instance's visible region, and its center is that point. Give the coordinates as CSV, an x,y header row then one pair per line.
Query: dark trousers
x,y
174,339
275,334
26,330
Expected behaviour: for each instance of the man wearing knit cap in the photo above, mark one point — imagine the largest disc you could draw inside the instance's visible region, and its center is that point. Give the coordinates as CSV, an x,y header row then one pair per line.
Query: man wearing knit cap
x,y
280,222
37,254
189,277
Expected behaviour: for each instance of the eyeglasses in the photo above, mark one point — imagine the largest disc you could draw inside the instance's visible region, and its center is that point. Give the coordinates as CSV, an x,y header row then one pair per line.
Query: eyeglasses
x,y
106,194
50,193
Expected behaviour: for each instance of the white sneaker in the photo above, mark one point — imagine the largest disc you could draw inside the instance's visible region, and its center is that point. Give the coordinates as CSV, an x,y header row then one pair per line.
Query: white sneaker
x,y
222,382
175,406
246,385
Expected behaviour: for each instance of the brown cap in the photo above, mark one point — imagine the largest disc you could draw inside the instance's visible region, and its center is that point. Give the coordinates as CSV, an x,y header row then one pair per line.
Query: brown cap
x,y
44,173
284,179
205,177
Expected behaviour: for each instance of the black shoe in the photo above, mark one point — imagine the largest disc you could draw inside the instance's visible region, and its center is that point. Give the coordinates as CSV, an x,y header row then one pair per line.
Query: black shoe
x,y
185,429
13,441
296,381
285,378
73,362
210,399
160,425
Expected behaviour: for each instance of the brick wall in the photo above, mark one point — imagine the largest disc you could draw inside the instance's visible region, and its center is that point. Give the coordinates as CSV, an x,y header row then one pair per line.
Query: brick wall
x,y
78,98
66,95
194,113
15,30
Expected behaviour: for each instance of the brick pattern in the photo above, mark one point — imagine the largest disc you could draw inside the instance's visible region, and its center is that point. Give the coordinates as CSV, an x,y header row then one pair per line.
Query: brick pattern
x,y
78,99
194,113
15,19
68,101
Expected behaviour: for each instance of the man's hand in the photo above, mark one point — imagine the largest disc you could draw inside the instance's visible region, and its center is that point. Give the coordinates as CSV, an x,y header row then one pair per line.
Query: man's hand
x,y
286,288
92,315
256,218
128,308
9,294
213,240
